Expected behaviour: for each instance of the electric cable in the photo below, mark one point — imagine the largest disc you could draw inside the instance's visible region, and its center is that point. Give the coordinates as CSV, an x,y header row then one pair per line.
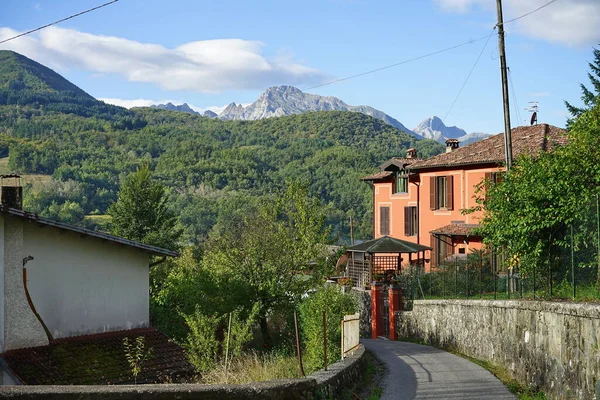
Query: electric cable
x,y
59,21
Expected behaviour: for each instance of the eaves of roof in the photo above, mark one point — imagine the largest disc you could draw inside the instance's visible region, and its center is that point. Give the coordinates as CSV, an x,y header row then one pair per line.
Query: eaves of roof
x,y
31,217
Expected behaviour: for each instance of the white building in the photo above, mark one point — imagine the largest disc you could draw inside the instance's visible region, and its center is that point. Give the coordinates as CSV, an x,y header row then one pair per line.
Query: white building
x,y
78,281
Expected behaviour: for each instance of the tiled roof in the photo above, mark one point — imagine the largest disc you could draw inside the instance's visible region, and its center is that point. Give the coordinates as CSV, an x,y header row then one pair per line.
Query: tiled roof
x,y
377,176
399,162
31,217
525,139
387,244
99,360
456,229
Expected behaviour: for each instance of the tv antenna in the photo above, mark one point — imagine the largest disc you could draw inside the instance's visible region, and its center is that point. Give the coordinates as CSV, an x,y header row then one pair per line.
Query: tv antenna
x,y
533,108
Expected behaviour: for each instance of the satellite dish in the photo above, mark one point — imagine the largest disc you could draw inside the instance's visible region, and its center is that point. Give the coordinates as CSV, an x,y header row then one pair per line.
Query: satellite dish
x,y
534,118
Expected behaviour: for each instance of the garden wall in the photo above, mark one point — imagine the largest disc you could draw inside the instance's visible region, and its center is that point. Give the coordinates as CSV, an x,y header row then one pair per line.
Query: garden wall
x,y
320,385
363,302
552,346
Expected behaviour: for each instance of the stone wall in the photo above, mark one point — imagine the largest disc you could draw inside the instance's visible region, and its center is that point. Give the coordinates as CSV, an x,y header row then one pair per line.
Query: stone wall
x,y
363,301
320,385
551,346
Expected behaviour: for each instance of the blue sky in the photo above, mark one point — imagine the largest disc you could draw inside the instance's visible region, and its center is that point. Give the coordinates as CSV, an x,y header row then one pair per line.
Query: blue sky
x,y
208,54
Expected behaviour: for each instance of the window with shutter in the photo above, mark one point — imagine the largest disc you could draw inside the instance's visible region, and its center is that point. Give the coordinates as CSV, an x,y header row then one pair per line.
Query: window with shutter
x,y
449,192
432,191
384,220
410,221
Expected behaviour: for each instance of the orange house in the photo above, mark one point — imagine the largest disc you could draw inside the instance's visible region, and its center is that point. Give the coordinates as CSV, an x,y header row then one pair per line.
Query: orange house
x,y
420,200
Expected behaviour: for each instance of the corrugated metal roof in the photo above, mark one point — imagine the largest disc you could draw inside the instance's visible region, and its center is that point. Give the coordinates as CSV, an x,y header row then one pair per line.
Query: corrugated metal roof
x,y
387,244
31,217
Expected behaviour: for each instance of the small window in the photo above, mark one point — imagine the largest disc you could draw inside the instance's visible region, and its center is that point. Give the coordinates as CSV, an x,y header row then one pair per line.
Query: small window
x,y
461,250
441,194
440,191
401,182
384,220
411,222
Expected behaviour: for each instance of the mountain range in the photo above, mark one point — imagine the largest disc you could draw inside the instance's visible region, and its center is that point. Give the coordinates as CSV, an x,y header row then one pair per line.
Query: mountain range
x,y
278,101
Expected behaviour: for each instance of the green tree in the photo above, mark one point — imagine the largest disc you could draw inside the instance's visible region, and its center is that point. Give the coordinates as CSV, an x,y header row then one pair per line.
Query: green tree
x,y
336,305
277,251
529,212
141,213
588,96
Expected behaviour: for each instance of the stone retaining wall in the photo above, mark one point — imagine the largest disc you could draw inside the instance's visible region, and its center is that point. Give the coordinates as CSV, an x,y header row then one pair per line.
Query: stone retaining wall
x,y
363,302
320,385
552,346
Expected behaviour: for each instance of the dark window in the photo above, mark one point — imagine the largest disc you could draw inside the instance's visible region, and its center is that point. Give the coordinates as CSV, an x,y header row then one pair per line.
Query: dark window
x,y
442,249
384,220
411,222
441,192
401,182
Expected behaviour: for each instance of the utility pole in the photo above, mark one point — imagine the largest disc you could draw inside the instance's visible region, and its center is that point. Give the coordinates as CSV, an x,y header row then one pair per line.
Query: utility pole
x,y
351,231
503,70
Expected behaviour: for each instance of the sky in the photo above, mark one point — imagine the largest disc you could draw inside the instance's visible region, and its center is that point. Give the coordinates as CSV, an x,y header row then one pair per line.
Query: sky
x,y
209,54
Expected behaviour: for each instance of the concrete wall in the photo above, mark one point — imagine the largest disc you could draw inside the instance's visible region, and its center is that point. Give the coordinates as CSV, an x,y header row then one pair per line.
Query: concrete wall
x,y
552,346
20,327
83,285
328,384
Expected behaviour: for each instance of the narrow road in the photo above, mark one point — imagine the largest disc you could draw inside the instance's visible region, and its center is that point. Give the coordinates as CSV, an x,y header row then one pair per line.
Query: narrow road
x,y
423,372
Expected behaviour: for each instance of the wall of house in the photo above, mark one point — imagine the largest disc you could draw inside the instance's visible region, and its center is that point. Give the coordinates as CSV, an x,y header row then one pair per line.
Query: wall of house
x,y
83,285
549,345
465,182
19,326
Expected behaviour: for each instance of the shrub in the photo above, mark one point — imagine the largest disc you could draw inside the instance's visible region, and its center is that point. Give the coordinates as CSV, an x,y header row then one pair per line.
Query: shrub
x,y
336,305
203,346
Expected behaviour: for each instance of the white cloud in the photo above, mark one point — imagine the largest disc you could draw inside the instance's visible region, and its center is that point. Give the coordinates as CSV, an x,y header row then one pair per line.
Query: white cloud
x,y
570,22
207,66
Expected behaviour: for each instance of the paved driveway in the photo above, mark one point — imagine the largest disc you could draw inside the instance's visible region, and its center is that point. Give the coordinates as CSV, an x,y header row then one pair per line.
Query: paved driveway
x,y
423,372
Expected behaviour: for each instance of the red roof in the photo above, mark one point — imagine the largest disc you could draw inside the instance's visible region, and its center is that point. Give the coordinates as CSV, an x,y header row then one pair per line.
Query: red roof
x,y
456,229
525,140
99,360
377,176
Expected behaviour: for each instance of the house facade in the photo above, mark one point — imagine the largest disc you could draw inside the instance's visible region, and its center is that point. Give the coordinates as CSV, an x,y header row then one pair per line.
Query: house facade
x,y
422,200
58,280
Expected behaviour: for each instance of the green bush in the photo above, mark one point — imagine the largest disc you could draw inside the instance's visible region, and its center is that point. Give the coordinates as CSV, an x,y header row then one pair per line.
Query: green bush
x,y
336,305
203,346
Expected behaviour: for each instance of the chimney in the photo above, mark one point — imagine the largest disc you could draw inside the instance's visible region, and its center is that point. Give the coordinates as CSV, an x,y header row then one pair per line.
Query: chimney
x,y
411,153
11,191
451,145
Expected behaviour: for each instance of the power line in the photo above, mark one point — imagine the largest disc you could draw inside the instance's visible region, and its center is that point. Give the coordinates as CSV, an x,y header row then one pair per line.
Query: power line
x,y
397,64
529,13
510,80
59,21
469,76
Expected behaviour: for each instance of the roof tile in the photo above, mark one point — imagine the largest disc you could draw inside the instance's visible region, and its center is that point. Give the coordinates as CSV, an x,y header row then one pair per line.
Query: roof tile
x,y
99,360
525,140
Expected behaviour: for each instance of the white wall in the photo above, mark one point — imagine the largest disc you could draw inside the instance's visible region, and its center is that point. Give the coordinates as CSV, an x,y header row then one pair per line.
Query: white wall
x,y
83,285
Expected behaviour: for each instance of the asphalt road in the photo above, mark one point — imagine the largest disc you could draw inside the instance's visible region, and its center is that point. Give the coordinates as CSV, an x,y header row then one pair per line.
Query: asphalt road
x,y
423,372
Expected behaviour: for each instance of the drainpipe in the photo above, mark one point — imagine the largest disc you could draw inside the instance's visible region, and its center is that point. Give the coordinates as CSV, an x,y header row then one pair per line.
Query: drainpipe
x,y
48,334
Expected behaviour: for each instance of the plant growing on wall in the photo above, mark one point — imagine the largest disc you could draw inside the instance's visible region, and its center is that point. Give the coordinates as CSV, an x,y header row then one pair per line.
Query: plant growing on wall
x,y
136,353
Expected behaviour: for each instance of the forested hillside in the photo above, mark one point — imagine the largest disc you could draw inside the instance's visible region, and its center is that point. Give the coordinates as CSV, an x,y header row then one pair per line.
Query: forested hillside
x,y
209,165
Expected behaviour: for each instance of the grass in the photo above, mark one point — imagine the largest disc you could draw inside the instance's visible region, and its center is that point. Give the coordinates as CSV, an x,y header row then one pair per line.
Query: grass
x,y
35,179
522,392
254,367
369,388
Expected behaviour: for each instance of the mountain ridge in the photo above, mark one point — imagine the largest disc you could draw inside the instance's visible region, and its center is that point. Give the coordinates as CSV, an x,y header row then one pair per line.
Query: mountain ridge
x,y
278,101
